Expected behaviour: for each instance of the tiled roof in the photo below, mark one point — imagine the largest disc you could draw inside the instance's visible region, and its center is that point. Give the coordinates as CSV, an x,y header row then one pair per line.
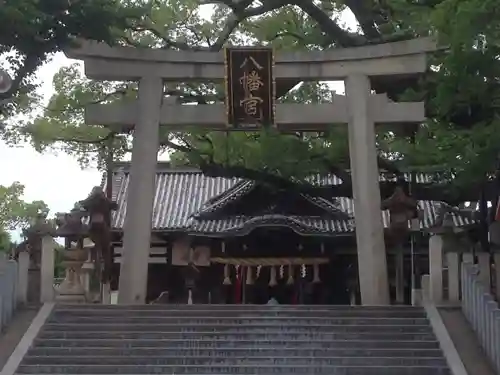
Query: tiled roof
x,y
182,193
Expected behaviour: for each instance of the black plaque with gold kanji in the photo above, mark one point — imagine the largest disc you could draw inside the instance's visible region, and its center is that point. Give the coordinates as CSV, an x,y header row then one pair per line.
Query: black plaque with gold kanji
x,y
249,87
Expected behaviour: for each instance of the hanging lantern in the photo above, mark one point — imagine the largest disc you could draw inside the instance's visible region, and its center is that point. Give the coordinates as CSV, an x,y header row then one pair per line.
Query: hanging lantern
x,y
316,274
227,279
272,278
290,275
249,280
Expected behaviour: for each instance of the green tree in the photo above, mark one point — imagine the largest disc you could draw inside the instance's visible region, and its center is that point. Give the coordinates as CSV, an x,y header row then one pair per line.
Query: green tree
x,y
5,241
15,213
460,90
32,30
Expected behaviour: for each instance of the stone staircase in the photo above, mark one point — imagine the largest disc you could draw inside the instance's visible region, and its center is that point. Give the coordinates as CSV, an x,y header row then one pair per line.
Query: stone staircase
x,y
235,339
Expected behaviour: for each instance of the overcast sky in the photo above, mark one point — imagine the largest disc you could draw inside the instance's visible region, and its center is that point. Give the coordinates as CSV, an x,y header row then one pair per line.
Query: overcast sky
x,y
56,179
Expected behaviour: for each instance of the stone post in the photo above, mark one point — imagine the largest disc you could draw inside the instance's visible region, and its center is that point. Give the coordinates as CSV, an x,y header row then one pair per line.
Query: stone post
x,y
38,251
436,269
137,228
453,262
484,277
23,262
47,268
494,232
373,278
496,259
416,287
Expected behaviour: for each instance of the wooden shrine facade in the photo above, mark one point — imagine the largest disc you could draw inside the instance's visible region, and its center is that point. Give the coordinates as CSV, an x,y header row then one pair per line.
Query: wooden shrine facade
x,y
249,242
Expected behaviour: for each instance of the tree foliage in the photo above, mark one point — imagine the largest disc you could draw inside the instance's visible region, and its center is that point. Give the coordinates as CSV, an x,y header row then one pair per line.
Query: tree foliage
x,y
461,89
15,213
32,30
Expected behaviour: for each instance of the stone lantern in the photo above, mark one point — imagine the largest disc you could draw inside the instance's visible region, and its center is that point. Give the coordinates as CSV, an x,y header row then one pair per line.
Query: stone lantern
x,y
74,231
450,234
34,234
98,208
402,209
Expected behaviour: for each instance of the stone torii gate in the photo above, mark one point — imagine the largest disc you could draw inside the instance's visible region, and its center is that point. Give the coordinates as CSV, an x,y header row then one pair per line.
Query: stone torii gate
x,y
360,109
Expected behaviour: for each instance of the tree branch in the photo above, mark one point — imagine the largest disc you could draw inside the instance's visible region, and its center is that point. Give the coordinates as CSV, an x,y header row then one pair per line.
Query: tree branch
x,y
30,64
333,32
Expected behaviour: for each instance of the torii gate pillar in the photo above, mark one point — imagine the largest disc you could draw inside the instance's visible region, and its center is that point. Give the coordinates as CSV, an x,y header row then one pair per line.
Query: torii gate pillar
x,y
140,200
372,260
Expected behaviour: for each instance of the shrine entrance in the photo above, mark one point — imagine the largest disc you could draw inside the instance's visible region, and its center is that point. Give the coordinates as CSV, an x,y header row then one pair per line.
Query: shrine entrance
x,y
250,75
285,280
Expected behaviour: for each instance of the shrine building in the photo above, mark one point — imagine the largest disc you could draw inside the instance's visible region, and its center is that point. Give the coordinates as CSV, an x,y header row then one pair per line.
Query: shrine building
x,y
250,242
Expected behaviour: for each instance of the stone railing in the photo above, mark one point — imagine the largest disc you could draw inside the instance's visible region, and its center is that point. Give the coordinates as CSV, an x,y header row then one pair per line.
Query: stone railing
x,y
471,281
482,311
445,271
13,286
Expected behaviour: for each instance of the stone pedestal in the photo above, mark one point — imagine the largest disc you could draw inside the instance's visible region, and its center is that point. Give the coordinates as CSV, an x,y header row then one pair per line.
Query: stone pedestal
x,y
85,277
34,276
71,289
400,281
106,294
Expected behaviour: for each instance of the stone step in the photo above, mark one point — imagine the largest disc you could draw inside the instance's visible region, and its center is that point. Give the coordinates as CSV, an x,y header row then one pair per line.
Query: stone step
x,y
260,327
251,369
235,335
228,351
257,320
206,307
232,361
222,313
173,344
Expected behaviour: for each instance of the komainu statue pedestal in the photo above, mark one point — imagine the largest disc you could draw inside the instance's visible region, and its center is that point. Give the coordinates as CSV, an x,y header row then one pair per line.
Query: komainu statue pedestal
x,y
71,289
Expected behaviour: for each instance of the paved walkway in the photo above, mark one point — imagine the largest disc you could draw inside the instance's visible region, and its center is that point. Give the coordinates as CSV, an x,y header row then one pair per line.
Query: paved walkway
x,y
15,331
466,342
